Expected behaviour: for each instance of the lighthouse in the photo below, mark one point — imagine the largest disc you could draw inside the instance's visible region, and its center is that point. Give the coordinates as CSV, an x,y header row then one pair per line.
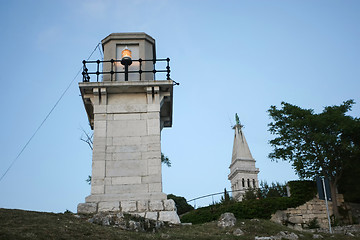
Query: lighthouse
x,y
128,101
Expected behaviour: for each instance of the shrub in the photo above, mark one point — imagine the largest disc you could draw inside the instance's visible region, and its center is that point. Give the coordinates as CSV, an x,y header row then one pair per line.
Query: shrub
x,y
255,208
314,223
181,204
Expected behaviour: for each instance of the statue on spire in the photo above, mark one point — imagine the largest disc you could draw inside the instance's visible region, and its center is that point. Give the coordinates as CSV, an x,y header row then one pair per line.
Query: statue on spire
x,y
237,123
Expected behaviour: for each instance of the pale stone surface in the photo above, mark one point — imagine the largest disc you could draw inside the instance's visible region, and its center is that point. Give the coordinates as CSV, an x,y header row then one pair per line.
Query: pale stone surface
x,y
108,206
126,180
169,205
141,214
98,169
128,206
169,216
243,173
97,189
238,232
127,118
156,206
143,205
226,220
302,215
151,215
128,188
87,208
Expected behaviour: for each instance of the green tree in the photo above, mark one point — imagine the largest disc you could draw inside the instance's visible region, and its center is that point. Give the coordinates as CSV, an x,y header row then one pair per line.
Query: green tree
x,y
316,144
181,204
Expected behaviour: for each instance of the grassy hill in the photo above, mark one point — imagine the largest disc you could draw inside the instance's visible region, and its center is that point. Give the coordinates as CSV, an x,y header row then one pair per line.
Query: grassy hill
x,y
19,224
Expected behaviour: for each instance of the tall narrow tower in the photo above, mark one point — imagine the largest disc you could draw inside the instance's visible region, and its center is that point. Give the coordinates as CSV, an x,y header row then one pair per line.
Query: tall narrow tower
x,y
127,108
243,173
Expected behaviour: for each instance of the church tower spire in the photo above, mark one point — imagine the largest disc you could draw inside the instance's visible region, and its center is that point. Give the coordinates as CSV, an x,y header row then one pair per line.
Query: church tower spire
x,y
243,173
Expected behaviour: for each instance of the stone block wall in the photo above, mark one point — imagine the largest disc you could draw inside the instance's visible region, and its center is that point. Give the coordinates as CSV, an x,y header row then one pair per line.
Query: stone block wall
x,y
160,210
301,216
127,151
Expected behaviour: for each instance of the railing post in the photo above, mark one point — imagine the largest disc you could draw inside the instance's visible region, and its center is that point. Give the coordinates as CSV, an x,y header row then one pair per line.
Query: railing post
x,y
97,70
83,73
112,69
154,70
140,65
168,69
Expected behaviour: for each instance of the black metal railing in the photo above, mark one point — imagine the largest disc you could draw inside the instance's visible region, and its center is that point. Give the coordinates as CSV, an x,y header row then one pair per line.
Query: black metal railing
x,y
114,69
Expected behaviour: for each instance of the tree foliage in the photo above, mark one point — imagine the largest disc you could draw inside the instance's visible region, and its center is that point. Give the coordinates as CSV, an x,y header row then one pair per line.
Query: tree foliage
x,y
316,144
181,204
266,191
165,160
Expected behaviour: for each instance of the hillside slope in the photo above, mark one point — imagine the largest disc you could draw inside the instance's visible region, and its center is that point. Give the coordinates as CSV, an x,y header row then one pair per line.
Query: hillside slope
x,y
19,224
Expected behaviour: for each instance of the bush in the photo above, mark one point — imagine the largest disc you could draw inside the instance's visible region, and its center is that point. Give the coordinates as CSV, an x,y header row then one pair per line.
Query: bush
x,y
181,204
301,192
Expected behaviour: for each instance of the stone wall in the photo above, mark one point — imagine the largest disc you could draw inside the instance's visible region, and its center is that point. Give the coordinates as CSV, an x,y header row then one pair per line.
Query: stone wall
x,y
300,217
159,210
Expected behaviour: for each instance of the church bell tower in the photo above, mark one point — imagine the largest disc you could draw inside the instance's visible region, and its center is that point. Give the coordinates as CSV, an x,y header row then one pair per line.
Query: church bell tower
x,y
243,173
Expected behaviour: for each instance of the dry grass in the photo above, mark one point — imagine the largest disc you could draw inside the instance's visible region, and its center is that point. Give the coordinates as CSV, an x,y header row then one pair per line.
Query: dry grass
x,y
19,224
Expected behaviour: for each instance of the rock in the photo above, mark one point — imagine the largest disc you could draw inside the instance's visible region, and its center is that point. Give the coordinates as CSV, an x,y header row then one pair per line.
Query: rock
x,y
264,238
186,224
126,222
238,232
279,217
317,236
287,235
226,220
165,236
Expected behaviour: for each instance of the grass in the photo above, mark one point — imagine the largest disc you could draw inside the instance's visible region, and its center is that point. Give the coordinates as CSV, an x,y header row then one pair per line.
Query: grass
x,y
19,224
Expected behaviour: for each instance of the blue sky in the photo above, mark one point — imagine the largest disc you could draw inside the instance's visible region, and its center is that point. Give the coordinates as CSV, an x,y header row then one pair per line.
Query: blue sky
x,y
229,57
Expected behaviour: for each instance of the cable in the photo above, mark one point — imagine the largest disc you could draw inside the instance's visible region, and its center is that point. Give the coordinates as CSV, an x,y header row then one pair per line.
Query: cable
x,y
47,116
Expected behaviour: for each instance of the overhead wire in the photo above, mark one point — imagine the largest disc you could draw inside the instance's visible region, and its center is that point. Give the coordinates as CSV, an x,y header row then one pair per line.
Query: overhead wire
x,y
47,116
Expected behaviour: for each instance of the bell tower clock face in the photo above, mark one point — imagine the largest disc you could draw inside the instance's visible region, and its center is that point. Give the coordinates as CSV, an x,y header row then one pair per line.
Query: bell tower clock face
x,y
134,48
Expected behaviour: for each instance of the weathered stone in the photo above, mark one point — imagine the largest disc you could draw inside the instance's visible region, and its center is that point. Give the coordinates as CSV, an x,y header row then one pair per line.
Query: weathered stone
x,y
108,206
287,235
127,117
140,214
226,220
264,238
156,206
317,236
169,205
151,215
295,219
169,216
143,205
238,232
126,222
279,217
128,206
165,236
87,208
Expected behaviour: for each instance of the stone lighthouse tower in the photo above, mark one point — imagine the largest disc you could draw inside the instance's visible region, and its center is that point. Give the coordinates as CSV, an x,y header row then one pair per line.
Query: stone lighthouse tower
x,y
127,108
243,173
